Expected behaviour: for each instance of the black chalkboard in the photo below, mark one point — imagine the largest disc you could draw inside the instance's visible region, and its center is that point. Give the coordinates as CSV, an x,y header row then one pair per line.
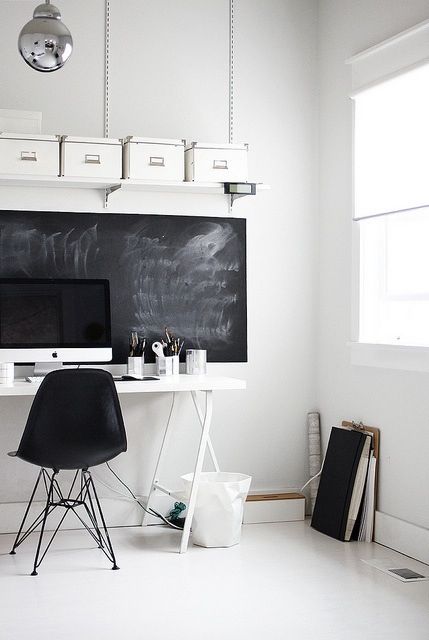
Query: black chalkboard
x,y
184,272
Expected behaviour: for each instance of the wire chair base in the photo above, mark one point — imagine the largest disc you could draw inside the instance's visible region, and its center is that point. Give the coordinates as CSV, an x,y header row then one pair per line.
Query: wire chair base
x,y
82,495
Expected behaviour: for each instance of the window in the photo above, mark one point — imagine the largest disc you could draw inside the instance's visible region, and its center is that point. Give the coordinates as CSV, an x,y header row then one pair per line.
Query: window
x,y
391,207
394,279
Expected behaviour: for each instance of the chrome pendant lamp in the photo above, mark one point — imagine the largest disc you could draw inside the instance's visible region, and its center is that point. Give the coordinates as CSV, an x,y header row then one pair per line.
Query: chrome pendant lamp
x,y
45,43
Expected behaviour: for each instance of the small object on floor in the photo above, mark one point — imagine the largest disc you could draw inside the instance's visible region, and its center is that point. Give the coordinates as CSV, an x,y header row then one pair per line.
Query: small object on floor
x,y
274,507
405,574
174,515
179,523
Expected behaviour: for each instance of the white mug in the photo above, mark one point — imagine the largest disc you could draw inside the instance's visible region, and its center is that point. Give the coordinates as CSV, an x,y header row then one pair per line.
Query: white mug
x,y
135,365
196,362
167,365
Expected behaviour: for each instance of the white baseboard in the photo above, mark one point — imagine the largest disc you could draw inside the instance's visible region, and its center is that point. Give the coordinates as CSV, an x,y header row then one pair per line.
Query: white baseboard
x,y
117,512
127,513
402,536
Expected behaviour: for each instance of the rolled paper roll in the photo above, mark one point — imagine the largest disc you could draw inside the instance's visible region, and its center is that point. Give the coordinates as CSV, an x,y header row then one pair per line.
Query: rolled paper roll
x,y
314,451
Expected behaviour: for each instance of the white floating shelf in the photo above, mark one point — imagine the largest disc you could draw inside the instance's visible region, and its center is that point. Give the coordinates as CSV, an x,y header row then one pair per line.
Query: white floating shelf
x,y
172,187
55,181
161,186
213,188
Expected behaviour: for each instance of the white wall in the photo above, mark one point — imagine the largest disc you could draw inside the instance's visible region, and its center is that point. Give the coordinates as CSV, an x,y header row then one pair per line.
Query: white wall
x,y
169,78
395,401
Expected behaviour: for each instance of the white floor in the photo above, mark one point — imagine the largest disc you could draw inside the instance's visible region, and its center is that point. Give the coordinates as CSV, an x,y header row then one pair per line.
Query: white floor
x,y
284,581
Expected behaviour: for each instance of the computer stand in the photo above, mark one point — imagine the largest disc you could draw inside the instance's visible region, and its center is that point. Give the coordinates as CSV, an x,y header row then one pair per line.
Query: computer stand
x,y
43,368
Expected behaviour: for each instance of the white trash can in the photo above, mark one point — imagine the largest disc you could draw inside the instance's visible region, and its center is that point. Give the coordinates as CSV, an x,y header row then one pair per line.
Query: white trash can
x,y
219,507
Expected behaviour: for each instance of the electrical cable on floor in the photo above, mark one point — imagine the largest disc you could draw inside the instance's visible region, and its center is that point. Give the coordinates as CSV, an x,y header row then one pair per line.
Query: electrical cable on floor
x,y
108,486
150,511
314,477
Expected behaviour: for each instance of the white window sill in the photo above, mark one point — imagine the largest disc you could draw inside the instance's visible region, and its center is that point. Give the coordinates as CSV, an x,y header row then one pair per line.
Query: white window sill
x,y
388,356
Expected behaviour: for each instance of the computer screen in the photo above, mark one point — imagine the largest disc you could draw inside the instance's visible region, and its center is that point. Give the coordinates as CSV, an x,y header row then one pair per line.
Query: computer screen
x,y
43,320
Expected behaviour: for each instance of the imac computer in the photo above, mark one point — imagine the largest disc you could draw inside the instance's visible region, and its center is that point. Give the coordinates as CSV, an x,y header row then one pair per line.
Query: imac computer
x,y
54,321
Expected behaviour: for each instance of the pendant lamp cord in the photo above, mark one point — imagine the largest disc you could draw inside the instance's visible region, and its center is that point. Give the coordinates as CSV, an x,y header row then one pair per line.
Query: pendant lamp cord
x,y
231,73
106,67
106,79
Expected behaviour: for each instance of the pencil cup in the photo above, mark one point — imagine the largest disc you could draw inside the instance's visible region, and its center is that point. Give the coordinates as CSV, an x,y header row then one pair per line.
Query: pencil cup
x,y
196,362
167,366
135,366
7,373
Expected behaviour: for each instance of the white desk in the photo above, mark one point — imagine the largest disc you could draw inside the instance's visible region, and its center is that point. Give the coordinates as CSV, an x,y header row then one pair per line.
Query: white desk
x,y
168,384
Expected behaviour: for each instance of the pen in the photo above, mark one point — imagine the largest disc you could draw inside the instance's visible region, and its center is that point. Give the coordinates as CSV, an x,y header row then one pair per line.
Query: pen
x,y
140,347
133,343
137,345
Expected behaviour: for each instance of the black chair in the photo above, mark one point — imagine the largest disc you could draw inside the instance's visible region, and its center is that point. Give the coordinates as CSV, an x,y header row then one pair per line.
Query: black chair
x,y
75,422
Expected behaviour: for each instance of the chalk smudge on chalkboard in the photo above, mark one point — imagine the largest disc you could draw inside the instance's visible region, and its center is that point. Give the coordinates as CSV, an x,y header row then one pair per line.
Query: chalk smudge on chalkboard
x,y
191,279
50,254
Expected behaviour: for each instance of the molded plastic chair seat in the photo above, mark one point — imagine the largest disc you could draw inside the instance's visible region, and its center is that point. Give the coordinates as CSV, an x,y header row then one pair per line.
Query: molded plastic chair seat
x,y
75,421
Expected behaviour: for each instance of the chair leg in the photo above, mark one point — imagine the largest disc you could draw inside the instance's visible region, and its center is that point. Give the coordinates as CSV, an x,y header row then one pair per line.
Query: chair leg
x,y
93,519
16,543
45,516
85,497
97,502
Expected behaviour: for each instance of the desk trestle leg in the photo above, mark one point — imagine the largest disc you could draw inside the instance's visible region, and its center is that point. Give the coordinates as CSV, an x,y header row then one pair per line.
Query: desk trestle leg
x,y
206,423
154,482
201,419
205,419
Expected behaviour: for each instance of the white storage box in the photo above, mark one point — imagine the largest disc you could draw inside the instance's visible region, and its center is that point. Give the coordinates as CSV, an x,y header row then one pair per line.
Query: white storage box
x,y
17,121
91,158
274,507
154,159
206,162
26,154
